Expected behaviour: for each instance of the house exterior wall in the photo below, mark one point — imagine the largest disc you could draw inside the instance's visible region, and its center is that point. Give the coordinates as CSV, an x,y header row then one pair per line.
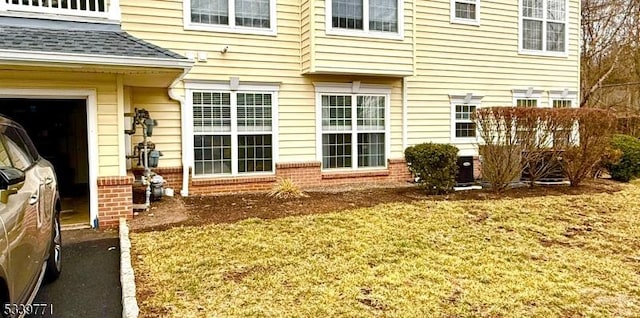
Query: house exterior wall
x,y
255,58
484,60
167,135
437,58
331,53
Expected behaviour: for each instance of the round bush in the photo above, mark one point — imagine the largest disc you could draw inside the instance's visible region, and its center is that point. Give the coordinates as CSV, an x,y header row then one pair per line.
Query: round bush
x,y
434,165
629,165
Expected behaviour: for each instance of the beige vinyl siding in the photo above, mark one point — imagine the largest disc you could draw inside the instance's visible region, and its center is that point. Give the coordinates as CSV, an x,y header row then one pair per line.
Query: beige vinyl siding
x,y
167,135
306,30
255,59
484,60
106,90
359,54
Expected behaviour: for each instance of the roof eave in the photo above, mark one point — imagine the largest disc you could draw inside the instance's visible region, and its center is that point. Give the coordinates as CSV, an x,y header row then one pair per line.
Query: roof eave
x,y
91,59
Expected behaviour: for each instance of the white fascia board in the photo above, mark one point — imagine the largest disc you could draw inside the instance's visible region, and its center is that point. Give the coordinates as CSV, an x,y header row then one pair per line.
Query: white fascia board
x,y
74,58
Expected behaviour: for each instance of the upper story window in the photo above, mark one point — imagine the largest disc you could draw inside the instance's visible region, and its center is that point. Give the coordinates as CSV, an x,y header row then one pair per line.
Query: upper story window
x,y
375,18
241,16
465,11
543,27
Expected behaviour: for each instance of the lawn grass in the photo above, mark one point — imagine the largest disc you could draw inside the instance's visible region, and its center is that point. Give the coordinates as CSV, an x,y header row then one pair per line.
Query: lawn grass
x,y
560,256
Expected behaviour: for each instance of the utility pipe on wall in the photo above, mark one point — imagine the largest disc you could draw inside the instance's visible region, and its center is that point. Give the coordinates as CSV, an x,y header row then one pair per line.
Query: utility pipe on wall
x,y
173,94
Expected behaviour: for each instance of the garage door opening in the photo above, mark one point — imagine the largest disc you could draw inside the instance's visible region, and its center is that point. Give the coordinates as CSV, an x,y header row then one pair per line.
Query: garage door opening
x,y
58,128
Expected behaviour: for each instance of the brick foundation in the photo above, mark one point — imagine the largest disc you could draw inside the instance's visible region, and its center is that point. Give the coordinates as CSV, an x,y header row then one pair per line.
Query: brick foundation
x,y
477,168
114,200
233,184
304,174
172,176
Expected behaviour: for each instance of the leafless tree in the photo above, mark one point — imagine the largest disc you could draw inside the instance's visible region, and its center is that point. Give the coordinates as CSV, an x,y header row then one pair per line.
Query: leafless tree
x,y
609,37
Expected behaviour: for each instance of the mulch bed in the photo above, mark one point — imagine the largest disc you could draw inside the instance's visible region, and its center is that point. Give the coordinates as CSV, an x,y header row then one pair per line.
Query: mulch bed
x,y
199,210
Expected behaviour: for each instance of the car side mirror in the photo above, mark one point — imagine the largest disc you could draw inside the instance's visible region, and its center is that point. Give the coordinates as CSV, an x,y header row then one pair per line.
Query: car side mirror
x,y
11,180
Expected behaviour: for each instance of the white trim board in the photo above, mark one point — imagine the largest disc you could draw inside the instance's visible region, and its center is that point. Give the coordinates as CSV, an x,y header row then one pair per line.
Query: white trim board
x,y
22,57
90,96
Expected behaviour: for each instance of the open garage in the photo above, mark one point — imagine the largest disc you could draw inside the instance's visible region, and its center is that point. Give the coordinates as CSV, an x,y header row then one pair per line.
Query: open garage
x,y
58,127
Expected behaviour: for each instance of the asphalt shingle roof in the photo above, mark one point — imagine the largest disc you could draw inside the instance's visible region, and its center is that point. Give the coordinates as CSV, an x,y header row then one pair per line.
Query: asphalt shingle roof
x,y
91,42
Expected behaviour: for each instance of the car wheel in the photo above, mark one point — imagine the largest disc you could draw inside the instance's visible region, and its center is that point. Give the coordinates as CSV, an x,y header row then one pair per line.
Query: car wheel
x,y
55,252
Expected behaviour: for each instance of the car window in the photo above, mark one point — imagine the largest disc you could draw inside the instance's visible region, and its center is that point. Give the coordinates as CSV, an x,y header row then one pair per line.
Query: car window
x,y
4,156
29,146
17,149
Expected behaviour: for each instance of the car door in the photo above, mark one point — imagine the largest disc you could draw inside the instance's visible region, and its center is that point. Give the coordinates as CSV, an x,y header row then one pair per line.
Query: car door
x,y
48,189
20,215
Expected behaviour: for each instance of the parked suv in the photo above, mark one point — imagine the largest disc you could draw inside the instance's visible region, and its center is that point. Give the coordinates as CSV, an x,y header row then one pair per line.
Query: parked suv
x,y
30,240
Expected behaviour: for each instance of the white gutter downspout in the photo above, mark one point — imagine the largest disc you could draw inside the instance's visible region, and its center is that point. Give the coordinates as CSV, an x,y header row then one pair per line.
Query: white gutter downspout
x,y
405,112
173,94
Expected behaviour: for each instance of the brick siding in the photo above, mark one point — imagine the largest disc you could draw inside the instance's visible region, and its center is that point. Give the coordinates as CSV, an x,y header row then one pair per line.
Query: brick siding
x,y
114,200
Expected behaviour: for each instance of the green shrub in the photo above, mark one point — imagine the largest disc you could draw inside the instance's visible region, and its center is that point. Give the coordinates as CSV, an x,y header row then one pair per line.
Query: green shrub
x,y
628,167
434,165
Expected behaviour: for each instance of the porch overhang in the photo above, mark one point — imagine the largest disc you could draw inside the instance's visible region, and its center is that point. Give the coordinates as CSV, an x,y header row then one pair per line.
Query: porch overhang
x,y
40,44
60,59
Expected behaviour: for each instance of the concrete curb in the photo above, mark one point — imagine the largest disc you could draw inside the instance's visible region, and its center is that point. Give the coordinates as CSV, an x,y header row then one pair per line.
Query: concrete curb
x,y
127,279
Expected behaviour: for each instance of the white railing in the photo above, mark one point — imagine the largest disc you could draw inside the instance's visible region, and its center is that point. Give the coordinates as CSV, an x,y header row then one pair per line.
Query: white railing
x,y
109,9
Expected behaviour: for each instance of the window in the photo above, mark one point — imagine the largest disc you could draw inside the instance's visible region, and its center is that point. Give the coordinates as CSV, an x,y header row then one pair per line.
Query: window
x,y
243,16
543,26
563,99
353,127
465,11
463,128
377,18
233,132
18,149
527,97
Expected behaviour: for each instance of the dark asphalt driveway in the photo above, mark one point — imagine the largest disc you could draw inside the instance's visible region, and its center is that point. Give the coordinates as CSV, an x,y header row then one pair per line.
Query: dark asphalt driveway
x,y
89,285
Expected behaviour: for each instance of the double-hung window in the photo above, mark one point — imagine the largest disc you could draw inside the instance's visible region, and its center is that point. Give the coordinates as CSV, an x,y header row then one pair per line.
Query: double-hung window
x,y
543,26
365,17
353,128
528,98
563,99
244,16
463,127
233,132
465,11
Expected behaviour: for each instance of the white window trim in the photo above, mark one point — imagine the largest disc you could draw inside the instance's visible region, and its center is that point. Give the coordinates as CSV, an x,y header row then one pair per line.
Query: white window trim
x,y
353,89
197,86
544,51
365,32
457,20
463,99
231,28
528,93
564,94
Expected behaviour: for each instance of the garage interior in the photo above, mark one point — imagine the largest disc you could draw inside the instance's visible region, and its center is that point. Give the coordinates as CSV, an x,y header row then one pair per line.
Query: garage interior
x,y
58,128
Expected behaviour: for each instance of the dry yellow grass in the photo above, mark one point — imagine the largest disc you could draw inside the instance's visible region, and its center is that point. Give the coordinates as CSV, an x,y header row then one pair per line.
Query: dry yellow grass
x,y
285,188
562,256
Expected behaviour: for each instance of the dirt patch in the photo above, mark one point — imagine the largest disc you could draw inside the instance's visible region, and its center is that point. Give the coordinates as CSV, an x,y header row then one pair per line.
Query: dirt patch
x,y
169,211
197,210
